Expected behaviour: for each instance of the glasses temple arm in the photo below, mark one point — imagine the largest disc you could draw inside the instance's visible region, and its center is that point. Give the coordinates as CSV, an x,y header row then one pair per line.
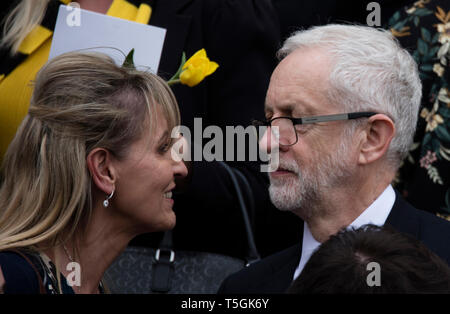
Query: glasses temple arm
x,y
356,115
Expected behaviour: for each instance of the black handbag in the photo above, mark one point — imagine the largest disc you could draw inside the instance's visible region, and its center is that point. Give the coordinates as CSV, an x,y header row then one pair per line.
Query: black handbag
x,y
141,270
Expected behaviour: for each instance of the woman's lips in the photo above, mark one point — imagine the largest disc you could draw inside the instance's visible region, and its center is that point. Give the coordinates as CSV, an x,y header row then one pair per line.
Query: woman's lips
x,y
168,197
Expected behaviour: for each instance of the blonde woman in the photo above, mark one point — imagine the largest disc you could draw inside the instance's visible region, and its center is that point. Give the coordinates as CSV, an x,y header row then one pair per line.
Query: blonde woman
x,y
89,169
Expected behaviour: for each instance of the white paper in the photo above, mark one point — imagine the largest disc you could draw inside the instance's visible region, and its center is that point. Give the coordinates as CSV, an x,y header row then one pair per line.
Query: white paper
x,y
78,29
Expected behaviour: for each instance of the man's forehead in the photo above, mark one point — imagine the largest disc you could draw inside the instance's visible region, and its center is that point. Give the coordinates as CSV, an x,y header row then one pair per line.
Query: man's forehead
x,y
299,84
299,107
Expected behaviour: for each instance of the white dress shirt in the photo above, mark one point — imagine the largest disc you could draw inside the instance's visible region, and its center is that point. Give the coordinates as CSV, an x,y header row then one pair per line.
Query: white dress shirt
x,y
375,214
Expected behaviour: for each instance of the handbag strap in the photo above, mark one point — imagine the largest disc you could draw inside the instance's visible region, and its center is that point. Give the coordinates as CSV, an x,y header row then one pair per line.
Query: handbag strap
x,y
250,198
252,253
163,265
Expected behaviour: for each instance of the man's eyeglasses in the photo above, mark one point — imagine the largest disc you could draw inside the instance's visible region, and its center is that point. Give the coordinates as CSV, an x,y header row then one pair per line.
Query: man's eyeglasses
x,y
288,134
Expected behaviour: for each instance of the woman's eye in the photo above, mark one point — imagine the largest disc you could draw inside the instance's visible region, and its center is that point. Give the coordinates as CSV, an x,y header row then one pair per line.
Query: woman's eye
x,y
165,147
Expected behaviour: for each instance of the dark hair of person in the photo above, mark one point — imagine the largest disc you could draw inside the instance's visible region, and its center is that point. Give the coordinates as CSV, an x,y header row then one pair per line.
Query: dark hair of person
x,y
339,265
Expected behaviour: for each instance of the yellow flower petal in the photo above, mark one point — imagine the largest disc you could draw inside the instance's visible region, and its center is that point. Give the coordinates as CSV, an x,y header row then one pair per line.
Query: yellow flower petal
x,y
200,54
197,68
196,57
191,76
212,68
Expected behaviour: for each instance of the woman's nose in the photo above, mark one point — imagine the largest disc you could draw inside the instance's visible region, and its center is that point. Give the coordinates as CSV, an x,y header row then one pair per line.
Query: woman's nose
x,y
180,169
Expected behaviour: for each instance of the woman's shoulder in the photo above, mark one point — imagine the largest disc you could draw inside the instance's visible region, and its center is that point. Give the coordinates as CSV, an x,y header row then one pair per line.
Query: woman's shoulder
x,y
19,272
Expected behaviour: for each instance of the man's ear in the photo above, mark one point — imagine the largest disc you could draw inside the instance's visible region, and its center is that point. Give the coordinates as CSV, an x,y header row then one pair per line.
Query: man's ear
x,y
102,170
378,137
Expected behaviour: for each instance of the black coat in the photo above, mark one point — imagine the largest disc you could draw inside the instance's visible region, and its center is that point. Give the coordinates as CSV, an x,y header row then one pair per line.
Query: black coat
x,y
275,273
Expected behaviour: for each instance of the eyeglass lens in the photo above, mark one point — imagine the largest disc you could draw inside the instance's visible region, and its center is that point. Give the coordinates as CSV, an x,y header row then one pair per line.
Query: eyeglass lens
x,y
286,131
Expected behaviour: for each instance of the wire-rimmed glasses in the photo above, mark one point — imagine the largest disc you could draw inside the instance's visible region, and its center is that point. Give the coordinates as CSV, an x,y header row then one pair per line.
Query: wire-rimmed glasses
x,y
287,134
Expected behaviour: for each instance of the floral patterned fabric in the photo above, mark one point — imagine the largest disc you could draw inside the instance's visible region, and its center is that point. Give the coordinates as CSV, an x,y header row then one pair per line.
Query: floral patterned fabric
x,y
50,277
424,178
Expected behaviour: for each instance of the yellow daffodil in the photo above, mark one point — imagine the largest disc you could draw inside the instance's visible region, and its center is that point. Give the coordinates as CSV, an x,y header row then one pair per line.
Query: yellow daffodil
x,y
190,72
194,70
197,68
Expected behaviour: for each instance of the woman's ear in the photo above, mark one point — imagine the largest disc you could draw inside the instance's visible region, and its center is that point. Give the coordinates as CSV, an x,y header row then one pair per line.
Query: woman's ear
x,y
100,165
379,134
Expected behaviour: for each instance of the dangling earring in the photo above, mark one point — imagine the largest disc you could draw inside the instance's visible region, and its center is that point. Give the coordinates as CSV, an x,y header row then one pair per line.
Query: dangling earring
x,y
106,202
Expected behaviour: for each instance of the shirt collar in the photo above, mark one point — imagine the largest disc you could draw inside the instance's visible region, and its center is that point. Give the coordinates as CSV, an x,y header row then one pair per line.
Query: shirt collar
x,y
376,214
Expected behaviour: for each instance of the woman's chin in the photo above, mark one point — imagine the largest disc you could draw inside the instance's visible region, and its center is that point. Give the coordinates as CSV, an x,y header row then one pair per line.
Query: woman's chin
x,y
172,223
168,223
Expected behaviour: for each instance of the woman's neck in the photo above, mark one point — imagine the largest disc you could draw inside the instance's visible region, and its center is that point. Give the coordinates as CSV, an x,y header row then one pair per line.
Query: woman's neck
x,y
94,250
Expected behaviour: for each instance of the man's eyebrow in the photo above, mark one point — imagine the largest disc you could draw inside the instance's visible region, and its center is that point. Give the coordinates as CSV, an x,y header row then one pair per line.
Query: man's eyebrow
x,y
284,109
268,109
301,109
287,108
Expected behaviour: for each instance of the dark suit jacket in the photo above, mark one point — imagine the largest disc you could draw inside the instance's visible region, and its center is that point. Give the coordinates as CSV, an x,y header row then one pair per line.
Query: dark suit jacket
x,y
275,273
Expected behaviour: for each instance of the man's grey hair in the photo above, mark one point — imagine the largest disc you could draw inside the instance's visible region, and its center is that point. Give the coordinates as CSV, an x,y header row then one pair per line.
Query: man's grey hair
x,y
371,72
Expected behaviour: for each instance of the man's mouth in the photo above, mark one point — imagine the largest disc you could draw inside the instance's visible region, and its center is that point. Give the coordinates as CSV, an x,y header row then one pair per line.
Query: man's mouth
x,y
282,171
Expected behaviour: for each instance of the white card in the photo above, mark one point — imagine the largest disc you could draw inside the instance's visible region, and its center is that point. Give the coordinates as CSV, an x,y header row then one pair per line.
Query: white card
x,y
78,29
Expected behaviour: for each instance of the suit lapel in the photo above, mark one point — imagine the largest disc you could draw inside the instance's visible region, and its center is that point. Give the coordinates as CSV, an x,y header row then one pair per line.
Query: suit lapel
x,y
284,275
403,217
283,267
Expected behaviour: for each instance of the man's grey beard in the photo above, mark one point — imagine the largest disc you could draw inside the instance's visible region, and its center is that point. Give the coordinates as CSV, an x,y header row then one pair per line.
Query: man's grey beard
x,y
301,193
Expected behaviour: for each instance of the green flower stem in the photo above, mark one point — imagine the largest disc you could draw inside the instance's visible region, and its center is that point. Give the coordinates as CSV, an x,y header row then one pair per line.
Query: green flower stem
x,y
172,82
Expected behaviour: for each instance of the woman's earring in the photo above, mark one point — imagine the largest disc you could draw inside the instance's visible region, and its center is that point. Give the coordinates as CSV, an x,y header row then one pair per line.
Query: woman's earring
x,y
106,202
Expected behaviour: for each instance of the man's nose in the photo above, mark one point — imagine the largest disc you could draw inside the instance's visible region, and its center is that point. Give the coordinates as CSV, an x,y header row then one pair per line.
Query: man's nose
x,y
269,140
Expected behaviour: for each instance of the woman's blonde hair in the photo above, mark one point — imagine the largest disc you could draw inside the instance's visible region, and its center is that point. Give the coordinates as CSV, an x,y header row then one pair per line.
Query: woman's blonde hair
x,y
81,101
21,21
